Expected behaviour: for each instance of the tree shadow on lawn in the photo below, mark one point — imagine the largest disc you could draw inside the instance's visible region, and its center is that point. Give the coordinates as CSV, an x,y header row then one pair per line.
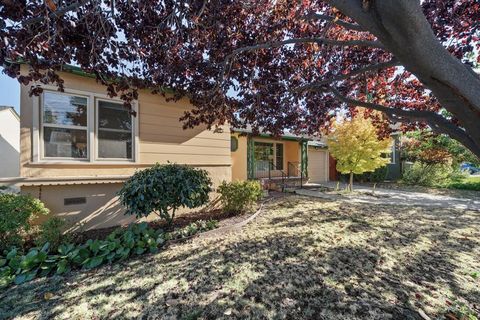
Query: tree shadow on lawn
x,y
337,264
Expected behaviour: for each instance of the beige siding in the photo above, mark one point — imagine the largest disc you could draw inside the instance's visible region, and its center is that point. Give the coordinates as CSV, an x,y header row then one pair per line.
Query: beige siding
x,y
102,208
161,137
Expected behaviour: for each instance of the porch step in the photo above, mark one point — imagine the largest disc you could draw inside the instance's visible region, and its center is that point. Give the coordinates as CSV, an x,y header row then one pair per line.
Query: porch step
x,y
277,183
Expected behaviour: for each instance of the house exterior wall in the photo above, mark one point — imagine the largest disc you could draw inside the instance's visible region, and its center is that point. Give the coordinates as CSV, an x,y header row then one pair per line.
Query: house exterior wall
x,y
102,208
394,169
239,159
160,139
9,144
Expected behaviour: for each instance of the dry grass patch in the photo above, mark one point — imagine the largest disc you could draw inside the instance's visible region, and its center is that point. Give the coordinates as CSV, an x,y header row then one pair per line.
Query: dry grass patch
x,y
302,258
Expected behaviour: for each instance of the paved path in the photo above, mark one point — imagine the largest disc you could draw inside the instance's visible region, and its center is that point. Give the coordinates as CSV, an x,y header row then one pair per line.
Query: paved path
x,y
395,197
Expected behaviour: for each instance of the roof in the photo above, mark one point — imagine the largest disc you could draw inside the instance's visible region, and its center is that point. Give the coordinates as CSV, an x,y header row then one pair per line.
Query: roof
x,y
52,181
285,136
76,70
12,109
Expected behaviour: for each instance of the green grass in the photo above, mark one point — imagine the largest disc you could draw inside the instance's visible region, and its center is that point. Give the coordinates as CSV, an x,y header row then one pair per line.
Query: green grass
x,y
470,183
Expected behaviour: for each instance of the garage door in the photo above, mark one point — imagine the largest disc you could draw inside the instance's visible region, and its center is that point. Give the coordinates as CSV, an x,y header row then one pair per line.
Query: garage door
x,y
317,165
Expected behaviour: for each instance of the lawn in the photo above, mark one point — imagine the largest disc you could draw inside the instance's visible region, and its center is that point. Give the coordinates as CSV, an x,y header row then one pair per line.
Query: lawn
x,y
469,183
302,258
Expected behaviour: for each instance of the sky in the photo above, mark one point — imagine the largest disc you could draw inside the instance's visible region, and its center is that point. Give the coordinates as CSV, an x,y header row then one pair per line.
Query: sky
x,y
9,91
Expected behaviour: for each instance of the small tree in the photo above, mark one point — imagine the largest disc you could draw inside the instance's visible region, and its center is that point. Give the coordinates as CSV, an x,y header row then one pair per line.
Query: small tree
x,y
163,189
356,147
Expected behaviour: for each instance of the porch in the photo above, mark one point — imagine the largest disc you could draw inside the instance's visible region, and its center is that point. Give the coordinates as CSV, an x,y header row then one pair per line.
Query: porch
x,y
277,164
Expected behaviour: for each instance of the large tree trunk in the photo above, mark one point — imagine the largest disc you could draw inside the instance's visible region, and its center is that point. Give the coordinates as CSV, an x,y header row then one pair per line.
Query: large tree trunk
x,y
403,29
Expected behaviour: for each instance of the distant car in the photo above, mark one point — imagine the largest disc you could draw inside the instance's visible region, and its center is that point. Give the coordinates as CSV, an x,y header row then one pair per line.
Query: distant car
x,y
469,167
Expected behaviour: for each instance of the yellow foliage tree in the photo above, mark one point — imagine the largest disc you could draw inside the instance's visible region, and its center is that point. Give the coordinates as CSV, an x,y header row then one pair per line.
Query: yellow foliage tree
x,y
355,145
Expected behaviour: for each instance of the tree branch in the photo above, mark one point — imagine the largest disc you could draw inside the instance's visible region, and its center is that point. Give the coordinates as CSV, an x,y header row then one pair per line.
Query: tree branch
x,y
277,44
57,13
434,120
321,84
342,23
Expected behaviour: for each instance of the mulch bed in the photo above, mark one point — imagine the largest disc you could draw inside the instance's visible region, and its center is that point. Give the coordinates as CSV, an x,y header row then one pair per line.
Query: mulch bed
x,y
179,222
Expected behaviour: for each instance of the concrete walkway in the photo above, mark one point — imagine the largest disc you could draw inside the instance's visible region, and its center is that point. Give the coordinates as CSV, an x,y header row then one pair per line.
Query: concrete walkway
x,y
362,194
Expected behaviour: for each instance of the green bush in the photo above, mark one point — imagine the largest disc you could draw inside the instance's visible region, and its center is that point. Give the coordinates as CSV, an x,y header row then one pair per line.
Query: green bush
x,y
16,215
379,175
431,175
137,239
51,232
163,189
239,196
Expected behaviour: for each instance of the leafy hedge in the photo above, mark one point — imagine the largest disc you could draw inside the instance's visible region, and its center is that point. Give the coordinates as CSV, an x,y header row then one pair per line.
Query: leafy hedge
x,y
163,189
137,239
239,196
16,214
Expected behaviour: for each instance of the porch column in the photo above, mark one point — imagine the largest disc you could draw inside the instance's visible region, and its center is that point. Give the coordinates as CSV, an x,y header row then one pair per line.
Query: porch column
x,y
304,157
250,158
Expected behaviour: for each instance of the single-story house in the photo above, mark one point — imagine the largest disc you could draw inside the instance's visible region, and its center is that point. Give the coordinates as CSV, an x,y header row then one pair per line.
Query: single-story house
x,y
9,142
77,147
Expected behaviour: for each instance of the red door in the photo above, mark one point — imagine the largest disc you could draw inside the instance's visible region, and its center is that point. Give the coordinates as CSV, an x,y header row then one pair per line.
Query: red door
x,y
332,169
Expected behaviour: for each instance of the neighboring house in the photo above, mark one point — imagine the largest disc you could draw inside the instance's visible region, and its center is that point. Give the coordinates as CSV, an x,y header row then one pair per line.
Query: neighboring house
x,y
9,142
394,168
78,147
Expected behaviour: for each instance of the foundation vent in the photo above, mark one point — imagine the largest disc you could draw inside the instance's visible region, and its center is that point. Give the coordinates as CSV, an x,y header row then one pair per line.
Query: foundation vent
x,y
74,201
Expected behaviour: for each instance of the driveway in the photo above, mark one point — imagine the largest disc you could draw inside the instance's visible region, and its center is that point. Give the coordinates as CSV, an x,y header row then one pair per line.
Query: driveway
x,y
365,194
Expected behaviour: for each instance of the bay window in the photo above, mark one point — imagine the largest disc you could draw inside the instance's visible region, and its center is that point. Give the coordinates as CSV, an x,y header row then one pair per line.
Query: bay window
x,y
84,127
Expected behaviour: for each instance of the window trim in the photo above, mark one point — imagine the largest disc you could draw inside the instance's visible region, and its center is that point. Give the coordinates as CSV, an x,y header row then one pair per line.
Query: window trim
x,y
96,128
36,134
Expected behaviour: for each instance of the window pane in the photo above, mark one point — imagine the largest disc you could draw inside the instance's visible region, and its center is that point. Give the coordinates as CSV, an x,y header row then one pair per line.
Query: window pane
x,y
114,116
65,143
263,156
64,109
279,156
114,131
114,145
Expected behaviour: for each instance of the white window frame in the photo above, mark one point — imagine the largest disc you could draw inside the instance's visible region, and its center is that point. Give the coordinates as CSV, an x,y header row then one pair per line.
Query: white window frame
x,y
97,157
37,130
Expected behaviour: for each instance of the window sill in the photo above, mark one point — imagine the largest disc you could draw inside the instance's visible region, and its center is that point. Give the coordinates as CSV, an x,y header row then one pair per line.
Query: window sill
x,y
85,164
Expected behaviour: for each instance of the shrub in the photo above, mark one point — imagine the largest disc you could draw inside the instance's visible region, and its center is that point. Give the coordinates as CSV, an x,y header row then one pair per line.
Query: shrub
x,y
16,214
431,175
51,232
379,175
137,239
238,196
163,189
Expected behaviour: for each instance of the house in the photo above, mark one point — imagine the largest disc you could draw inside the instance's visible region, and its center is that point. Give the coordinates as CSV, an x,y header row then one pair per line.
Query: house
x,y
77,147
9,142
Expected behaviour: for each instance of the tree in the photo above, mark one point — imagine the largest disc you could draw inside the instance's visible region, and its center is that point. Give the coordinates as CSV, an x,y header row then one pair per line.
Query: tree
x,y
356,146
430,148
271,64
